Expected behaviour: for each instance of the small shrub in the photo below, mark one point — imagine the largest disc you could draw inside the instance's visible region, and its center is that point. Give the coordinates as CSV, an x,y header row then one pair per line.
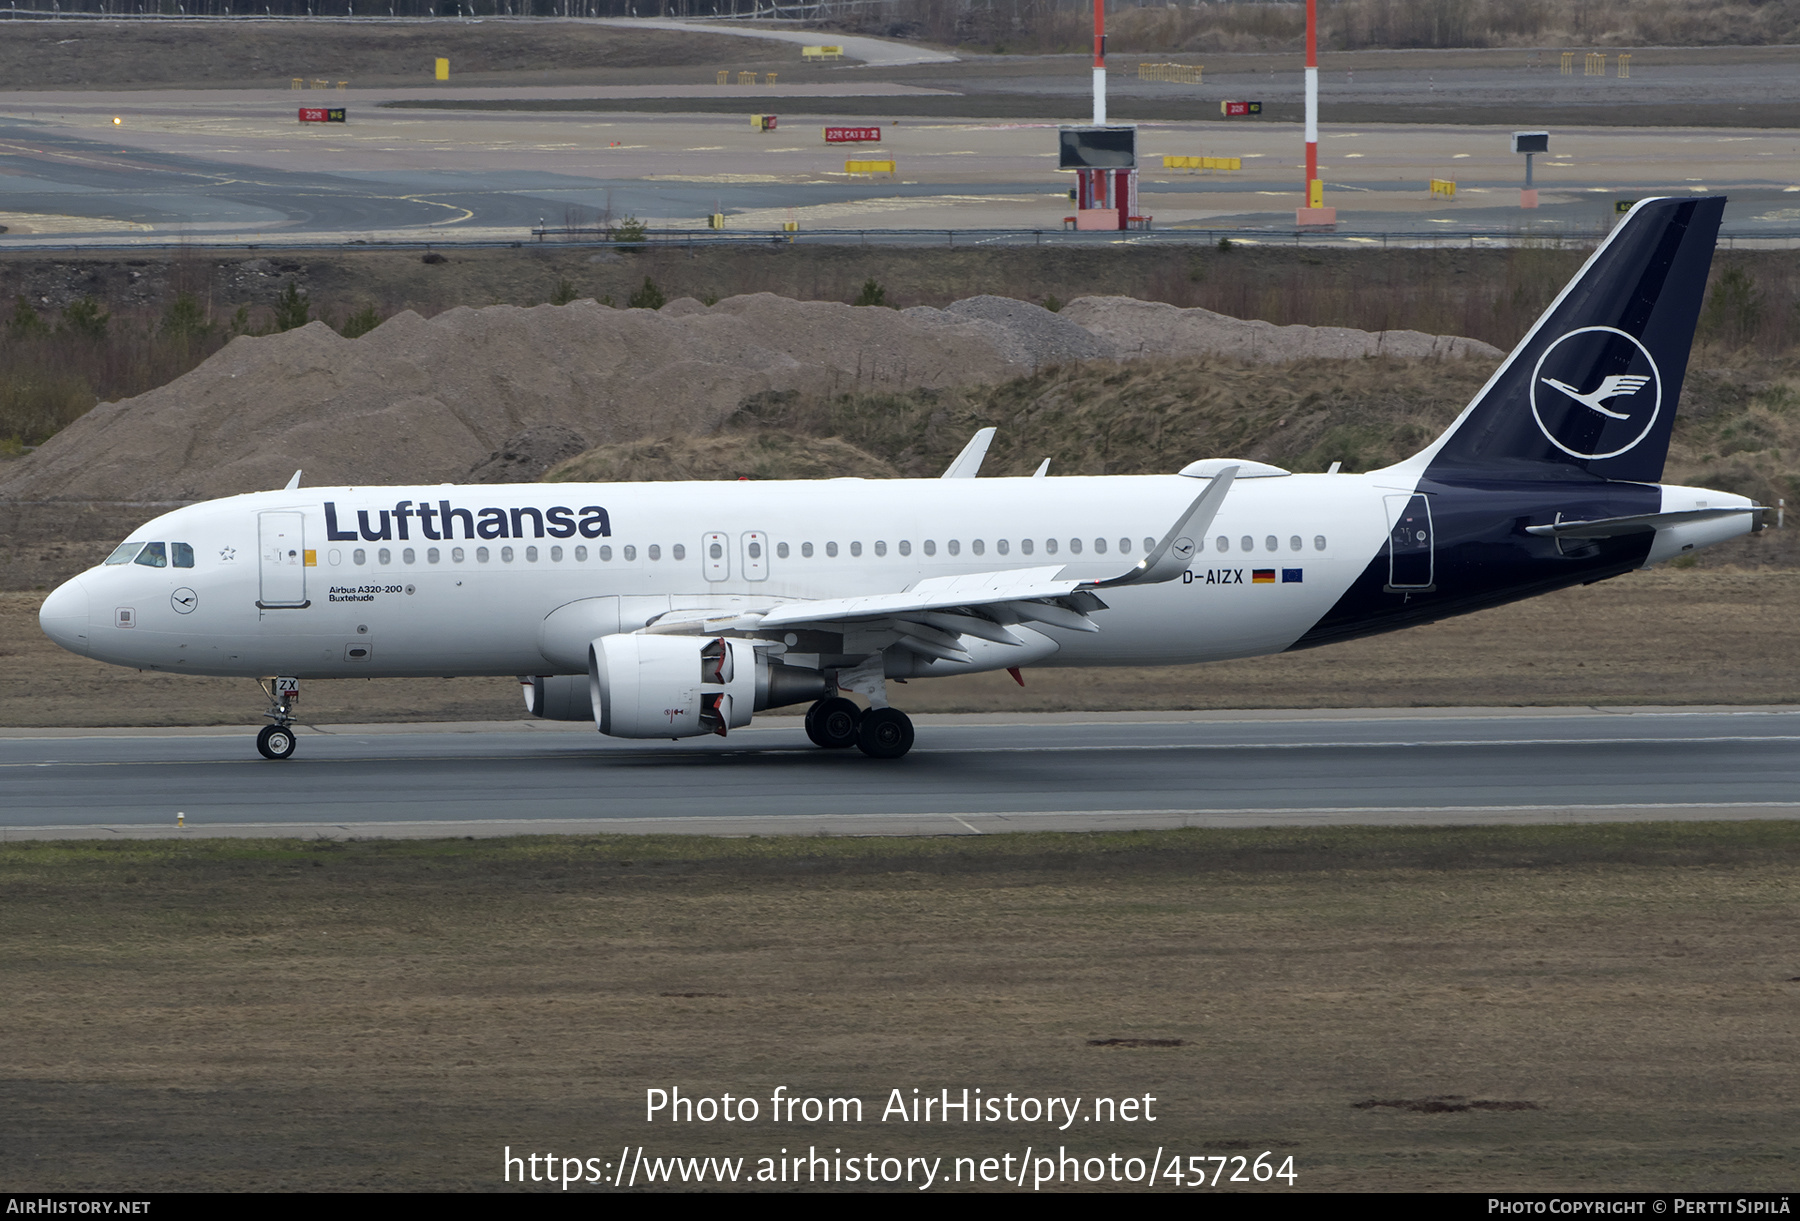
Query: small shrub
x,y
186,319
871,294
25,321
647,297
85,318
1053,303
360,323
564,292
292,309
1224,245
631,229
432,256
709,299
1734,308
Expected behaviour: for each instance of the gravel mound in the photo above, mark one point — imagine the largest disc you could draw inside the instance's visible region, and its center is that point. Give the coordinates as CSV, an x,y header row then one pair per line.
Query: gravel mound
x,y
1035,336
525,456
427,399
1150,328
503,393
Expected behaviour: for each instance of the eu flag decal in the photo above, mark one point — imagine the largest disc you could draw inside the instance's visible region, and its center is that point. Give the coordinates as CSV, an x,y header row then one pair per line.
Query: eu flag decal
x,y
1290,576
1262,576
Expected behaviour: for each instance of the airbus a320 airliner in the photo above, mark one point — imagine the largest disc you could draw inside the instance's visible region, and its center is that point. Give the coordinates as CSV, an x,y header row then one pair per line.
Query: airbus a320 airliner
x,y
668,610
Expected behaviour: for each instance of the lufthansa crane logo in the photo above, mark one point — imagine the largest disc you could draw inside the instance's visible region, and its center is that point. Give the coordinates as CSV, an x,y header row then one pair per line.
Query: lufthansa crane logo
x,y
1596,392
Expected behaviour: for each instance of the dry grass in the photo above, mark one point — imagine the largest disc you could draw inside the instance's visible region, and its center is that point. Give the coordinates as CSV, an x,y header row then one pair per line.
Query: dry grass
x,y
261,1015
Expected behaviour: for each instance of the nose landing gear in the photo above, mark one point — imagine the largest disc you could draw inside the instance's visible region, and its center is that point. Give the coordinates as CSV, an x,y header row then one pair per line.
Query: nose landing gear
x,y
277,741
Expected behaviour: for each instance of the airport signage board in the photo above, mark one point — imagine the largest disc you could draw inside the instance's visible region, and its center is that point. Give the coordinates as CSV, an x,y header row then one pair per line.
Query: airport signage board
x,y
1098,148
852,135
1237,110
322,114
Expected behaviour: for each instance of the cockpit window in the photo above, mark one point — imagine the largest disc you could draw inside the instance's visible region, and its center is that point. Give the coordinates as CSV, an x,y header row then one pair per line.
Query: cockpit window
x,y
124,553
182,554
154,555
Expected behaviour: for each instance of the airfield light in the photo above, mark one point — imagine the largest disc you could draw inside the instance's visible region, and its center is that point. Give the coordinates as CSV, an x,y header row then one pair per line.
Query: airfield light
x,y
117,121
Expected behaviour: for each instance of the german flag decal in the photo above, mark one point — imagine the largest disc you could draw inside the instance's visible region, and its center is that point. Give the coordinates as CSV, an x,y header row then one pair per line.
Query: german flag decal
x,y
1262,576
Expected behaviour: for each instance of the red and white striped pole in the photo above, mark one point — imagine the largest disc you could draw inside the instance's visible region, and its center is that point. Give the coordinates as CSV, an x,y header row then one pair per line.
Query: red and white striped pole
x,y
1100,62
1312,99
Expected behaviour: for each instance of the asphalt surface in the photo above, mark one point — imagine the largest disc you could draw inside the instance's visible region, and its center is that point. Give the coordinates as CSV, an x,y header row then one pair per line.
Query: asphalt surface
x,y
965,775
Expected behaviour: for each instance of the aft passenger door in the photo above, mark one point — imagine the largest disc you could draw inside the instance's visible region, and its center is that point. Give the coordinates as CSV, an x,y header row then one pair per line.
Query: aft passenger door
x,y
1410,551
281,537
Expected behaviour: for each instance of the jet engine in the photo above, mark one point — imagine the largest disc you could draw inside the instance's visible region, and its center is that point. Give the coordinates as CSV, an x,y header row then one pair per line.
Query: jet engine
x,y
642,686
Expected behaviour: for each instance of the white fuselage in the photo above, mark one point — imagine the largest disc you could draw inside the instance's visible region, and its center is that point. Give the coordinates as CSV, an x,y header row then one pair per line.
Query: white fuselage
x,y
464,606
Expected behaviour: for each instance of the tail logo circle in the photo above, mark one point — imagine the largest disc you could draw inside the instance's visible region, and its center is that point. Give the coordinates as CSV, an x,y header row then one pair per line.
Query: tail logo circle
x,y
1596,392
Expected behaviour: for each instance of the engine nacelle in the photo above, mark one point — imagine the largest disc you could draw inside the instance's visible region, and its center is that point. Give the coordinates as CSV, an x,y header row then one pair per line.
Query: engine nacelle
x,y
558,697
671,686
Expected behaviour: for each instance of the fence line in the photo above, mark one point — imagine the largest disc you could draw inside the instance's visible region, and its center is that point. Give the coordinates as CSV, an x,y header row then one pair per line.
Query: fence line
x,y
654,239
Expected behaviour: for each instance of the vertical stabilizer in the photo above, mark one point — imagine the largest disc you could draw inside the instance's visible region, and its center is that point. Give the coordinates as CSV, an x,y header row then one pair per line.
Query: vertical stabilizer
x,y
1592,388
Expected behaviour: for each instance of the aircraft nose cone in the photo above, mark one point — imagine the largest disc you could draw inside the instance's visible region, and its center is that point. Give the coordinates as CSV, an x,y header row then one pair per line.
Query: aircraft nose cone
x,y
64,616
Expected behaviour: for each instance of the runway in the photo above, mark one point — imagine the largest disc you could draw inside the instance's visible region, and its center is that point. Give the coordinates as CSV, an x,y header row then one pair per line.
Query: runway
x,y
966,775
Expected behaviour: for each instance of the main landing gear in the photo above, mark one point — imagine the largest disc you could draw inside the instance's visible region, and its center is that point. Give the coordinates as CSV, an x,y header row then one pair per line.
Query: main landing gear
x,y
880,733
277,741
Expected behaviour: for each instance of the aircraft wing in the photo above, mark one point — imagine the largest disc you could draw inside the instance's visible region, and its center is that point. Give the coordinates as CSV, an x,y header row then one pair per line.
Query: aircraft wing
x,y
939,610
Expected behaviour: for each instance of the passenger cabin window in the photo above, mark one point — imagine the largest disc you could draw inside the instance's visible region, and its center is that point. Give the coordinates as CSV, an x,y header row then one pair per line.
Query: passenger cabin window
x,y
831,550
581,555
629,551
1294,543
781,551
531,555
387,557
905,546
556,555
456,555
431,555
880,547
977,547
1025,546
605,554
1049,546
806,550
359,557
154,555
1002,546
1074,546
855,548
654,551
1318,542
930,546
1249,543
409,557
481,555
182,554
124,553
1221,543
679,551
953,546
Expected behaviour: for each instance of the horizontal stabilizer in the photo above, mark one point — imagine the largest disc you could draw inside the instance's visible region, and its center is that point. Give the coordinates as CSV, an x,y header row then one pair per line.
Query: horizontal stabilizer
x,y
1638,523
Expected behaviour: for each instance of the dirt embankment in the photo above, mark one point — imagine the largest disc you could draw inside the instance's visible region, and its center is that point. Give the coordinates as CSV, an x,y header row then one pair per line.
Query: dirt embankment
x,y
420,399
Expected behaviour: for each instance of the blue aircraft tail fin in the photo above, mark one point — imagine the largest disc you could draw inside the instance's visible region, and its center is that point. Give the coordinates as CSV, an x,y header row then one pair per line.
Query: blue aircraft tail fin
x,y
1592,387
